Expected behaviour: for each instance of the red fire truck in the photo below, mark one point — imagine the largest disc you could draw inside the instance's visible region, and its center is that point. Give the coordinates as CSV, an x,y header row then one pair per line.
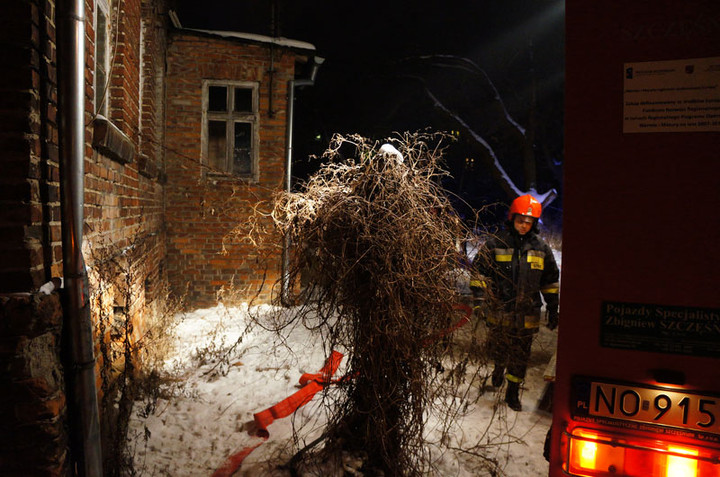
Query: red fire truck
x,y
637,391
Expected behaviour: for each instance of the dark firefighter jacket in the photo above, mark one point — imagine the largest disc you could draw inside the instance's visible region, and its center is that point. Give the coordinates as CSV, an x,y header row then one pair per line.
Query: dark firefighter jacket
x,y
513,271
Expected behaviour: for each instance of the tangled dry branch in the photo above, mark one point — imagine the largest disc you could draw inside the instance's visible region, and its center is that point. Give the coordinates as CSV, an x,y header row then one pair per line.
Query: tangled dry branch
x,y
375,238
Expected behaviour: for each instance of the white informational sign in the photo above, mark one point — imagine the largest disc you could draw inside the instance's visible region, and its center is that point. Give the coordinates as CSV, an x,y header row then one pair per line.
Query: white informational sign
x,y
672,96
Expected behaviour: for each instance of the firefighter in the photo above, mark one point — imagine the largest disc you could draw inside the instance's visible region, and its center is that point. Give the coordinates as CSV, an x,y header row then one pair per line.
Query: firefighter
x,y
513,270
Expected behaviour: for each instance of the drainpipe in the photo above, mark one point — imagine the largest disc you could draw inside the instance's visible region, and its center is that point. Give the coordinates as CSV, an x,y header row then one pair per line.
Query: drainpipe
x,y
292,84
78,331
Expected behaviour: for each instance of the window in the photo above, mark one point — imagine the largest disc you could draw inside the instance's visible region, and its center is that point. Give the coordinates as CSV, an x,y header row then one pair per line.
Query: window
x,y
102,56
230,128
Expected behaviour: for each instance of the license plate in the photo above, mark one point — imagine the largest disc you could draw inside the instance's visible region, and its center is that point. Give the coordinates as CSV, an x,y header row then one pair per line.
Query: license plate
x,y
657,406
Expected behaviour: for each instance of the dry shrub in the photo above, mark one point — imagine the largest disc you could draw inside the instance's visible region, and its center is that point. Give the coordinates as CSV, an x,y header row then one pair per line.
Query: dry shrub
x,y
134,329
378,258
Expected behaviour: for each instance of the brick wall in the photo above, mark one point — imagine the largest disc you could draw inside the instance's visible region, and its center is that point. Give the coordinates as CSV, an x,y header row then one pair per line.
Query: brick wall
x,y
202,207
124,232
32,420
33,440
29,187
124,192
123,201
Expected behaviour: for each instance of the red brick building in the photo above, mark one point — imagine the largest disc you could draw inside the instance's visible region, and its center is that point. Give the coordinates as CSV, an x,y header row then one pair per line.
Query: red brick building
x,y
183,133
226,128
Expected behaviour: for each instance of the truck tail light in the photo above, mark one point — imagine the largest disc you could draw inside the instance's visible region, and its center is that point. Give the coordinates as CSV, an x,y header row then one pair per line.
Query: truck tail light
x,y
681,466
592,453
588,453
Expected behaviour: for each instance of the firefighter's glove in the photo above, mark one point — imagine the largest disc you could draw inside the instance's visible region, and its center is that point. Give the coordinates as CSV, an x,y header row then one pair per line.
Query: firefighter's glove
x,y
553,319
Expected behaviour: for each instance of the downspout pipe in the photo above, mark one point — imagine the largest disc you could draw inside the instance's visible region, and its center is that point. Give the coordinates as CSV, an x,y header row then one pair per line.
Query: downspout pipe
x,y
78,339
292,84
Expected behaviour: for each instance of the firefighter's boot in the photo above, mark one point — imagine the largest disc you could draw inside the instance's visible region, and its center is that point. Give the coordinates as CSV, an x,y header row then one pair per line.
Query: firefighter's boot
x,y
512,397
497,376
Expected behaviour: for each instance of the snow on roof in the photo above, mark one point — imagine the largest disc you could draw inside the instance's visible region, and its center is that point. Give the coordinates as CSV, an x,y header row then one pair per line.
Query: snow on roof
x,y
280,41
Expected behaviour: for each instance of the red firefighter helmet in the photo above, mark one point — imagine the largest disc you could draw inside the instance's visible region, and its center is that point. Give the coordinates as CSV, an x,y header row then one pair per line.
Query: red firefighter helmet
x,y
525,205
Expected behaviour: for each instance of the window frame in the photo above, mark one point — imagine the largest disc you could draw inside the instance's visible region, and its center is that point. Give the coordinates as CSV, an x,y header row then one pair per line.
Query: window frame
x,y
231,117
101,97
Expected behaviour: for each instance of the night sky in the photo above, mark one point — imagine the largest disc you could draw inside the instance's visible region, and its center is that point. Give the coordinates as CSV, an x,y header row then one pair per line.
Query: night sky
x,y
518,43
369,28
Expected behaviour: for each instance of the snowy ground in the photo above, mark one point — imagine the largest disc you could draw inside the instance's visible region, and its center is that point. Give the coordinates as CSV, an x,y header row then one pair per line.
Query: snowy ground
x,y
209,419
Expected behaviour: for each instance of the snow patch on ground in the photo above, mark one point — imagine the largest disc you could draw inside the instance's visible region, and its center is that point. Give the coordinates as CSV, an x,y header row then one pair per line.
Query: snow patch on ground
x,y
191,434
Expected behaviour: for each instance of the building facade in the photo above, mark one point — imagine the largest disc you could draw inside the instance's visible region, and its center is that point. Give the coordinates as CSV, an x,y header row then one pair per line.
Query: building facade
x,y
226,136
185,133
